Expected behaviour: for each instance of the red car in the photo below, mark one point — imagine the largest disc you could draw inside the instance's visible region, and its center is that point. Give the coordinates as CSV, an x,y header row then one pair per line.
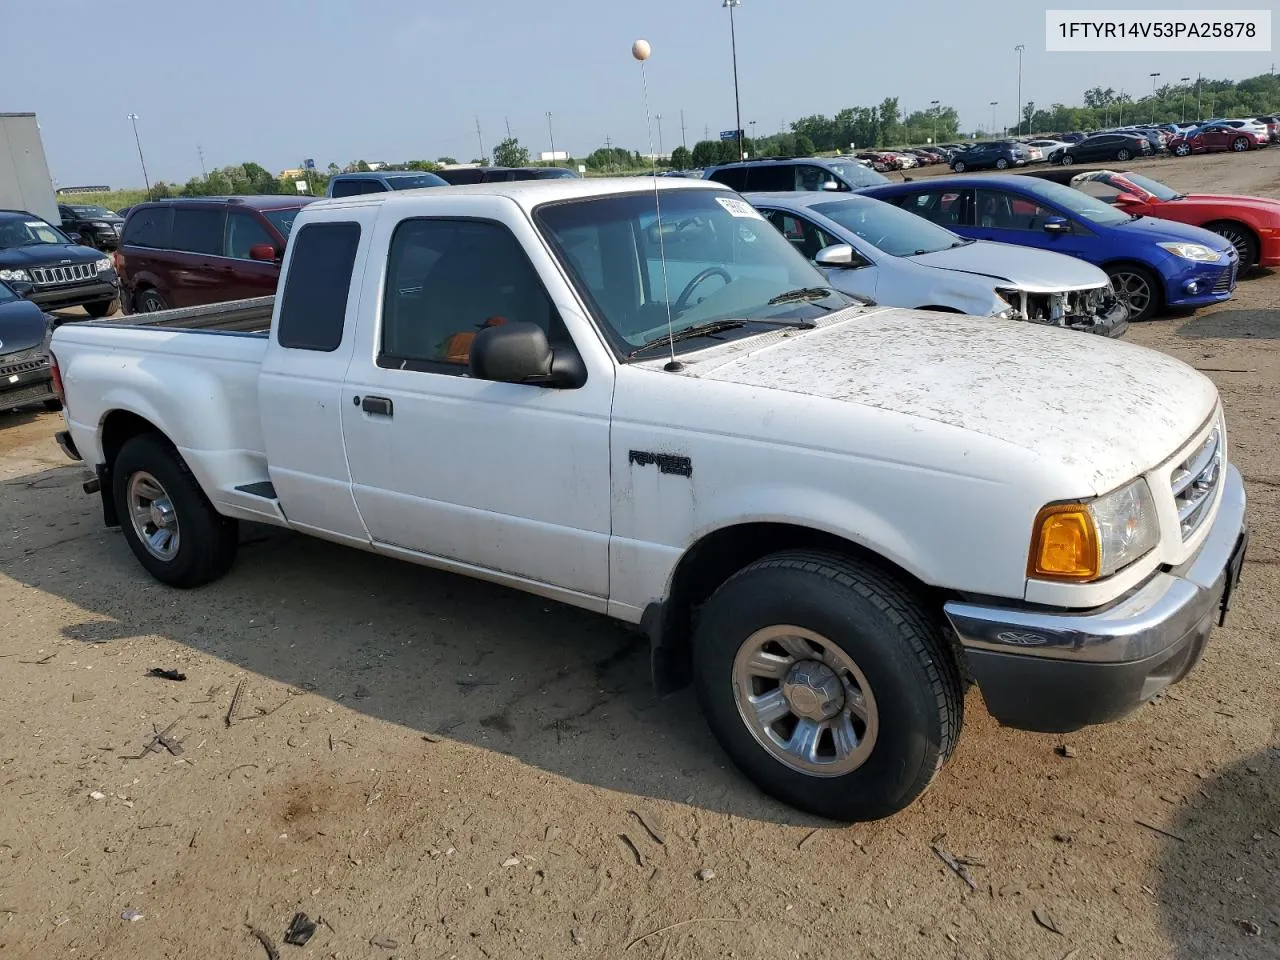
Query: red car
x,y
1214,138
1252,224
186,253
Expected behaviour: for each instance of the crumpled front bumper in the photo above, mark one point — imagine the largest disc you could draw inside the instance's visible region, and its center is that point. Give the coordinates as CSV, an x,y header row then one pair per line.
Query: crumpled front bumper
x,y
1060,671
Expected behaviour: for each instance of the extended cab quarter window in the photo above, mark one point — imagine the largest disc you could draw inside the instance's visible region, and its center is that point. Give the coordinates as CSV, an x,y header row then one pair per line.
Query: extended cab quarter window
x,y
313,308
449,279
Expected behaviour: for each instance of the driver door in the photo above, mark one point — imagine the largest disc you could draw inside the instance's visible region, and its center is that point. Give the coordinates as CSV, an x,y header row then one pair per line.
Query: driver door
x,y
1008,217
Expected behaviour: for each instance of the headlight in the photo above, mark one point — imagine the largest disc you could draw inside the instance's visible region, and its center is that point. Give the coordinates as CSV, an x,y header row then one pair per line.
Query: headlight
x,y
1087,541
1191,251
103,265
15,275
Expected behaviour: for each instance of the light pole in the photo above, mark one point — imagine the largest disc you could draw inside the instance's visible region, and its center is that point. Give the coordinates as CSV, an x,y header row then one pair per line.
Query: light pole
x,y
753,137
552,134
934,104
1020,48
659,119
1153,96
1184,99
737,100
1198,113
133,117
994,104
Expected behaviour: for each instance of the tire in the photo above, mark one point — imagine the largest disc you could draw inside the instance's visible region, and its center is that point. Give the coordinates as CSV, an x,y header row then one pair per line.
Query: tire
x,y
1182,150
1002,164
1241,237
53,404
203,543
876,635
1123,155
147,300
1240,145
1068,159
959,166
99,309
1128,280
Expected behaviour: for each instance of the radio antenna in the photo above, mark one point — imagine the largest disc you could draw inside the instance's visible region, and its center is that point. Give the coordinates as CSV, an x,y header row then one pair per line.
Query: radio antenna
x,y
641,50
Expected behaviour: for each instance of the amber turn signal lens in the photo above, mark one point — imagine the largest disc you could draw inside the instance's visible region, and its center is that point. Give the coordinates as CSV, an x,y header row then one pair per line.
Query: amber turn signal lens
x,y
1065,545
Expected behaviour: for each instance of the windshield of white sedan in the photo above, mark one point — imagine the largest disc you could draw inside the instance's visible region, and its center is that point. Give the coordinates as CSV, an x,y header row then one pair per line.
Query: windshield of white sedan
x,y
889,228
15,232
1080,204
727,269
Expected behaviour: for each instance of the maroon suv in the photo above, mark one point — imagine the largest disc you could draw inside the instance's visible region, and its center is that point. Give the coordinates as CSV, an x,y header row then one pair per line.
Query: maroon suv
x,y
185,253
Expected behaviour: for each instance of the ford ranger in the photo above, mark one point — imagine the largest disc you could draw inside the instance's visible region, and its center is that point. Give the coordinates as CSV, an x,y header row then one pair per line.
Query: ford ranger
x,y
639,399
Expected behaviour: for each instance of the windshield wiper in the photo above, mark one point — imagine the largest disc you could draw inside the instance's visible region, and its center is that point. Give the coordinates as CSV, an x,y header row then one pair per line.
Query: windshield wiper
x,y
801,295
713,327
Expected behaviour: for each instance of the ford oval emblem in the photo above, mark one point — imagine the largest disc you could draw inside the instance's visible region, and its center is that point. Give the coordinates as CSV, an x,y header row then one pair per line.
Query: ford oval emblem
x,y
1017,638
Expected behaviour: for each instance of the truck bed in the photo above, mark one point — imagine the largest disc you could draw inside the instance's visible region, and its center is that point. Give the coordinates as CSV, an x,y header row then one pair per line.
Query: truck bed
x,y
239,316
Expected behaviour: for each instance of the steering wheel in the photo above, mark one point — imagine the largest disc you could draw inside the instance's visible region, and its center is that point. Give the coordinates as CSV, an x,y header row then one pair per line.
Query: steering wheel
x,y
682,302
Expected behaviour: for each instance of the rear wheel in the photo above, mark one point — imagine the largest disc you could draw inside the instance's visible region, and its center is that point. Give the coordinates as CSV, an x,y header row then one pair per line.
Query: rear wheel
x,y
1123,154
1240,144
169,523
828,684
1240,237
1068,159
1137,287
1002,164
53,404
147,300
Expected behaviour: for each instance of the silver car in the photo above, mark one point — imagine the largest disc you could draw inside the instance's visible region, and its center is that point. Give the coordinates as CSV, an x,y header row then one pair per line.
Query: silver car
x,y
877,251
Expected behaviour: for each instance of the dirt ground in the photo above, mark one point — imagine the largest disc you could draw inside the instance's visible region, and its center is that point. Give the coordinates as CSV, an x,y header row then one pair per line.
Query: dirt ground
x,y
440,768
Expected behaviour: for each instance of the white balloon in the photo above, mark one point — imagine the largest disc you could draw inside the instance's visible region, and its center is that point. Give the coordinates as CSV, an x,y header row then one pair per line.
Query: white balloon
x,y
641,50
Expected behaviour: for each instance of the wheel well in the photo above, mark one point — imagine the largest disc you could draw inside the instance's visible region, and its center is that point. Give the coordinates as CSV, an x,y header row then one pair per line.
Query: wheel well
x,y
717,557
940,309
119,428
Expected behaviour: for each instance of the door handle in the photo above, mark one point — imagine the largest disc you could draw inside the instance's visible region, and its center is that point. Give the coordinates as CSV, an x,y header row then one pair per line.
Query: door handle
x,y
379,406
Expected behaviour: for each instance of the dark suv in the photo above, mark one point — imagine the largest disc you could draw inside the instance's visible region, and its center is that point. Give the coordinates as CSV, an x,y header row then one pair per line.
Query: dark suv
x,y
999,154
808,174
47,267
25,376
464,175
380,181
96,226
185,253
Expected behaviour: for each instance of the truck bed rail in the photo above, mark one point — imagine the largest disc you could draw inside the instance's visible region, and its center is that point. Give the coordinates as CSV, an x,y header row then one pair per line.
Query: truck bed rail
x,y
248,316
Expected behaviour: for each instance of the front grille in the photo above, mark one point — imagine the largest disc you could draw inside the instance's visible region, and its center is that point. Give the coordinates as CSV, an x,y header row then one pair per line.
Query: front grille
x,y
73,273
1227,281
1195,481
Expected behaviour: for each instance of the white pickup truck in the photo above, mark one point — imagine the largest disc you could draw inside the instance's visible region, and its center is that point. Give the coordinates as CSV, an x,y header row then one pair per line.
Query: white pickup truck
x,y
832,517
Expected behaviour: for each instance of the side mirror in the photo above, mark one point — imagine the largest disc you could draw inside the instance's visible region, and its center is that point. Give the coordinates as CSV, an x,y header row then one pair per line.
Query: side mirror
x,y
512,353
1057,225
836,255
1126,200
831,185
263,251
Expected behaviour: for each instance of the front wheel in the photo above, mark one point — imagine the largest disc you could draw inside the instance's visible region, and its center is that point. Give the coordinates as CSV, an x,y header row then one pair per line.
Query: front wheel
x,y
148,301
99,310
1182,150
1240,144
828,684
959,166
1137,288
1241,238
168,522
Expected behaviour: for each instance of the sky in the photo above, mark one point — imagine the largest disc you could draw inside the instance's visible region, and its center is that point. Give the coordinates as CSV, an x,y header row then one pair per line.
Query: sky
x,y
391,80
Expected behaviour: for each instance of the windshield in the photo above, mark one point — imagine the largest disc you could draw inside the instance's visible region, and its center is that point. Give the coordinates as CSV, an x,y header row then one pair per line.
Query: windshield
x,y
413,183
91,212
1080,204
888,228
282,220
27,233
855,174
1153,187
724,261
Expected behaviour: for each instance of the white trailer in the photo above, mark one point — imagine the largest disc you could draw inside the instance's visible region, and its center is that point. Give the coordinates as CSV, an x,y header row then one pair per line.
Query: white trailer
x,y
25,183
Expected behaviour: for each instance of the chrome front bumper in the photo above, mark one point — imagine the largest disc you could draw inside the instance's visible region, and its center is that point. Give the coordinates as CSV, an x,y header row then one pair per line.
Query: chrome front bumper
x,y
1053,671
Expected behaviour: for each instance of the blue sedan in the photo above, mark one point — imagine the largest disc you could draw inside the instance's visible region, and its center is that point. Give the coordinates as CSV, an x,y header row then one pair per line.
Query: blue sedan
x,y
1153,264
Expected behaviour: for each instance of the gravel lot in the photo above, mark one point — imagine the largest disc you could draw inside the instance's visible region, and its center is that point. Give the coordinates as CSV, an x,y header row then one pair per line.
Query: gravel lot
x,y
440,768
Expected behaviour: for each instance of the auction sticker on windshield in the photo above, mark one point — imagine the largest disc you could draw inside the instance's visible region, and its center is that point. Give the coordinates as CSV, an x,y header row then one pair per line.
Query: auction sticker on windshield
x,y
739,208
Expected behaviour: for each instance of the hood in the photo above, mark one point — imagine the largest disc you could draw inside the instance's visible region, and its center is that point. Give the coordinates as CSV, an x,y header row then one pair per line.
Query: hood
x,y
1041,271
22,327
1105,410
1261,204
47,254
1165,231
